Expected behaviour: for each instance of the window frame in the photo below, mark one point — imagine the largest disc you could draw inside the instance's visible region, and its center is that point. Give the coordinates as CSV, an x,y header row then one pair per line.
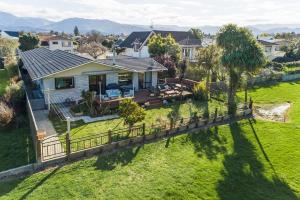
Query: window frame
x,y
63,88
129,80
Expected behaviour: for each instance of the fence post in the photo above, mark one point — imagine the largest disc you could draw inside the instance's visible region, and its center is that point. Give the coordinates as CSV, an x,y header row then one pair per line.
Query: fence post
x,y
171,123
109,136
251,105
68,142
216,115
40,138
144,129
144,132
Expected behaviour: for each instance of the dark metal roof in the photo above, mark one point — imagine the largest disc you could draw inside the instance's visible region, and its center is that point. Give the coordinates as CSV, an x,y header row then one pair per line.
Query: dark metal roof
x,y
133,37
133,64
142,37
177,35
42,62
266,43
12,33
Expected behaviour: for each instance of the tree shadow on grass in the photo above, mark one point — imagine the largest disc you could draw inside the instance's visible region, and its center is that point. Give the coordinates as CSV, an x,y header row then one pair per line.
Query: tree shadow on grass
x,y
6,187
208,143
122,157
243,174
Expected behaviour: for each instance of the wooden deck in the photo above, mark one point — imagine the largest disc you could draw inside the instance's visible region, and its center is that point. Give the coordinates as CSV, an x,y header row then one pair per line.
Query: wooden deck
x,y
144,97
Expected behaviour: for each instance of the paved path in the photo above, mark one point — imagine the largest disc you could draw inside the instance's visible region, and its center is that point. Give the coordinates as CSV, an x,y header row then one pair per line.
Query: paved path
x,y
43,122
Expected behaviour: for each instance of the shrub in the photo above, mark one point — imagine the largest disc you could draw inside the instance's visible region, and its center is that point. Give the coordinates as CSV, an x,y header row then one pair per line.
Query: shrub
x,y
12,69
6,114
200,92
15,93
131,112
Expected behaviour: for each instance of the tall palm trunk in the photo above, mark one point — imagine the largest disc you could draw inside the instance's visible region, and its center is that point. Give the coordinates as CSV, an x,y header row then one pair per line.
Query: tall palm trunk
x,y
233,85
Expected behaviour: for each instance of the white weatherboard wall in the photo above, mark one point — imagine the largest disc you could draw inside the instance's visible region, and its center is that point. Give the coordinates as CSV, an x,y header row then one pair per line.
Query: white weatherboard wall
x,y
64,45
143,54
81,79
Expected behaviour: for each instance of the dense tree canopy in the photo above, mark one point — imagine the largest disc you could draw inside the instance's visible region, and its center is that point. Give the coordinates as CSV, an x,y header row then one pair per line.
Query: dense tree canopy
x,y
197,33
28,41
241,53
160,46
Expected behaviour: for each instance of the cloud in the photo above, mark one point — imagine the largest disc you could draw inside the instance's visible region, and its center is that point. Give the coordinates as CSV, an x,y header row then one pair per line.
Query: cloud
x,y
179,12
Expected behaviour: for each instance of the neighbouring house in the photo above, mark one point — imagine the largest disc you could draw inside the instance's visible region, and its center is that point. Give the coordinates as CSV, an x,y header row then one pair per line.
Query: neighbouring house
x,y
271,49
14,35
64,75
136,43
55,42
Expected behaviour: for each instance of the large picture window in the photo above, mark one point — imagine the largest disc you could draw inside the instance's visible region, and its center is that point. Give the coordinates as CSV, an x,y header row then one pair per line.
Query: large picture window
x,y
125,79
64,83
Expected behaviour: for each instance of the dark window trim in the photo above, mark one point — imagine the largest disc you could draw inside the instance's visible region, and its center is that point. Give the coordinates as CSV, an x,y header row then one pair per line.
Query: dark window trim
x,y
73,81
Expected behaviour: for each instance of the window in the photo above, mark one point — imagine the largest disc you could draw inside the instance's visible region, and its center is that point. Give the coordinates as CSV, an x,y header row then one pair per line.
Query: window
x,y
55,42
64,83
125,79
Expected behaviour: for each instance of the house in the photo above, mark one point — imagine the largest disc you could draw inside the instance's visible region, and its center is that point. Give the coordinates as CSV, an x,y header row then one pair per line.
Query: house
x,y
136,43
55,42
64,75
271,49
14,35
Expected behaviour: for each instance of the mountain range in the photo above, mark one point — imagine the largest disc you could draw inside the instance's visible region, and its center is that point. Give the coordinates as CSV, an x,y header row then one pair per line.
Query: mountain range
x,y
11,22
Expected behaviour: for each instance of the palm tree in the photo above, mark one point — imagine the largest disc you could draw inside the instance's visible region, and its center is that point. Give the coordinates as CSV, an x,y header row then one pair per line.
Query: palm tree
x,y
241,53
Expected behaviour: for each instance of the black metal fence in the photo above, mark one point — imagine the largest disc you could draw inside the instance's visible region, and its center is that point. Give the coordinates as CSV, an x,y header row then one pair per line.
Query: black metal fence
x,y
56,148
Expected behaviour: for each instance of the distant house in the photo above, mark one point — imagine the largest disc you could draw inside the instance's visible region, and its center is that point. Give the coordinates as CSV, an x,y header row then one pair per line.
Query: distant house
x,y
271,49
10,34
65,75
54,42
136,43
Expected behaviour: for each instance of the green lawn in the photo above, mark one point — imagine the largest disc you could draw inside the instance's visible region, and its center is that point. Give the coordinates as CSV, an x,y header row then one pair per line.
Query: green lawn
x,y
153,116
248,160
4,80
16,147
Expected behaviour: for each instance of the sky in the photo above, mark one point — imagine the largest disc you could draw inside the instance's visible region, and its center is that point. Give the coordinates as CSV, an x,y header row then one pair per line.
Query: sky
x,y
167,12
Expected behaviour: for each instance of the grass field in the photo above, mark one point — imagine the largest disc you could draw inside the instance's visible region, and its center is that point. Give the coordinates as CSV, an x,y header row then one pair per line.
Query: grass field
x,y
4,80
16,148
247,160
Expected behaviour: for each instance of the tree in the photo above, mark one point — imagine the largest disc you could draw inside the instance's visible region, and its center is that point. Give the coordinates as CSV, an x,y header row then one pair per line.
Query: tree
x,y
7,47
209,60
169,63
198,34
162,46
93,49
28,42
95,36
241,53
131,112
76,31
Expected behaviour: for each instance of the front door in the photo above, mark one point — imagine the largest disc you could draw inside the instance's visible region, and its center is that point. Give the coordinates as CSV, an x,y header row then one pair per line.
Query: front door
x,y
97,82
